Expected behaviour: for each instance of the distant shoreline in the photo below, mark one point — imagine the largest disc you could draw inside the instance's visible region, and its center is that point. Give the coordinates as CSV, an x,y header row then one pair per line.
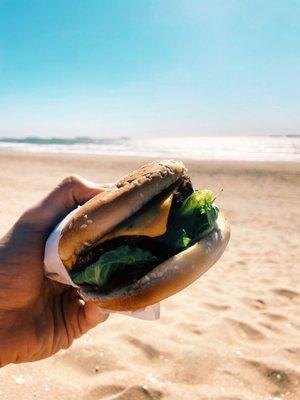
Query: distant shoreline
x,y
206,165
91,139
259,148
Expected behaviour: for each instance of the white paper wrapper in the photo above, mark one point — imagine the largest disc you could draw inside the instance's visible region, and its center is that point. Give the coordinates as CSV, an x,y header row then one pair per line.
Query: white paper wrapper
x,y
55,270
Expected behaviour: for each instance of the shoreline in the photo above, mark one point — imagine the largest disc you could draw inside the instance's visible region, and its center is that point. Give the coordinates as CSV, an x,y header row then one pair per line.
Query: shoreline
x,y
232,164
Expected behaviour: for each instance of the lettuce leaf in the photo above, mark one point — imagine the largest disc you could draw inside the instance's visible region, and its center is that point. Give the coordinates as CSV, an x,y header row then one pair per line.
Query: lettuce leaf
x,y
192,221
198,214
99,272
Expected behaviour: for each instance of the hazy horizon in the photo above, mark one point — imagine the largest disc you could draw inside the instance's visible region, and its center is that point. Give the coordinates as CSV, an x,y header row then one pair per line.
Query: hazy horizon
x,y
149,68
20,137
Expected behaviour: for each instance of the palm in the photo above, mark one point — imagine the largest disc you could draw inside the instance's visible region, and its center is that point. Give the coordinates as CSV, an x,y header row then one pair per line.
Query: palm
x,y
41,316
42,308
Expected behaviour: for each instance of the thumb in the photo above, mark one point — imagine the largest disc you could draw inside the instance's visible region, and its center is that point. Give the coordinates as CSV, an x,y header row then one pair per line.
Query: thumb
x,y
80,316
91,315
70,193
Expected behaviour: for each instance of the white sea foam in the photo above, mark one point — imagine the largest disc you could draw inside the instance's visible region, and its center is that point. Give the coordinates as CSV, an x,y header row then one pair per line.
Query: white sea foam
x,y
198,148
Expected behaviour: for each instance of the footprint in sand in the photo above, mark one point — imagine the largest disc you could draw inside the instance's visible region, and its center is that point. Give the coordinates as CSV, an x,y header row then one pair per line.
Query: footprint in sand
x,y
294,352
118,392
138,393
226,398
246,330
275,317
216,307
290,294
254,303
87,359
147,349
270,326
104,391
191,328
283,379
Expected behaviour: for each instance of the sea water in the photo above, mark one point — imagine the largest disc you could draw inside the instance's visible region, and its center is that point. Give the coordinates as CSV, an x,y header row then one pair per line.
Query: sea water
x,y
254,148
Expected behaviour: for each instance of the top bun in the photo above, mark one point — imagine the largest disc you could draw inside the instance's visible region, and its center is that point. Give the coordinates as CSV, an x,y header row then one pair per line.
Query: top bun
x,y
105,211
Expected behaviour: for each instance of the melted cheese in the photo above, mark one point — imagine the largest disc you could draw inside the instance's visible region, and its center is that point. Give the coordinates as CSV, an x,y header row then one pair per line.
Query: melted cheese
x,y
151,221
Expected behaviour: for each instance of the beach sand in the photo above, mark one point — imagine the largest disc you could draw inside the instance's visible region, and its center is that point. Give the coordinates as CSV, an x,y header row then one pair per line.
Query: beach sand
x,y
232,335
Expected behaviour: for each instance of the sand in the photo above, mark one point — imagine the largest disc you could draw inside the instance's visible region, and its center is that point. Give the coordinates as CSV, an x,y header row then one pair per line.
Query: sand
x,y
234,334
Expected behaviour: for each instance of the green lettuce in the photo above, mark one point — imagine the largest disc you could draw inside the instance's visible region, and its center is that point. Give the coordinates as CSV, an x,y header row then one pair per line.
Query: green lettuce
x,y
99,272
192,221
198,214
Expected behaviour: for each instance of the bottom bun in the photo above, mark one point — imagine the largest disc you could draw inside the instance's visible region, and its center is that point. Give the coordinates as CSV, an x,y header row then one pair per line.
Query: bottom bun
x,y
167,278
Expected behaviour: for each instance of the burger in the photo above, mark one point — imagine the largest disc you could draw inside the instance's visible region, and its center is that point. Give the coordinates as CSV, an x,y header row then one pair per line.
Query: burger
x,y
143,240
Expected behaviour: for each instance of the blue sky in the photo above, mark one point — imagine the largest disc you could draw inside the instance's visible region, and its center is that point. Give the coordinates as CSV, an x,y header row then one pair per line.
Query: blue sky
x,y
137,67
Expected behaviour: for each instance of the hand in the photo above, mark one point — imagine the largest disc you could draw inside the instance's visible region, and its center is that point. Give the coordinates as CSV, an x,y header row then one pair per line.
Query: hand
x,y
38,317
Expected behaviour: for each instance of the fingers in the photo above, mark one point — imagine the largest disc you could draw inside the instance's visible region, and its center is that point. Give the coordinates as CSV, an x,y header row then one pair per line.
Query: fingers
x,y
71,192
80,189
80,316
91,315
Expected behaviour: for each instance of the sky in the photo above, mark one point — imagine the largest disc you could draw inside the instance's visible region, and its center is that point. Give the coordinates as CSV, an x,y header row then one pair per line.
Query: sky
x,y
145,68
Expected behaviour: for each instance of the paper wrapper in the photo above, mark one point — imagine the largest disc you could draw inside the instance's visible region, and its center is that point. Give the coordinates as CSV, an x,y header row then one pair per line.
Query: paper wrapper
x,y
55,270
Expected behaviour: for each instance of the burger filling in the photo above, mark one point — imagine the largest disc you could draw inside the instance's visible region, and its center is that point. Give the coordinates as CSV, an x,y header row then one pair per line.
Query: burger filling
x,y
171,222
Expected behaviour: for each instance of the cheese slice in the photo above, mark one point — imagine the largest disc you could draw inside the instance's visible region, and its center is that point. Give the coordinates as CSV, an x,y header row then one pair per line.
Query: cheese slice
x,y
151,221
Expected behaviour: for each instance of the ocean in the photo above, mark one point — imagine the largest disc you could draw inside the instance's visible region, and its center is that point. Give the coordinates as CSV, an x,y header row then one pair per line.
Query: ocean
x,y
256,148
